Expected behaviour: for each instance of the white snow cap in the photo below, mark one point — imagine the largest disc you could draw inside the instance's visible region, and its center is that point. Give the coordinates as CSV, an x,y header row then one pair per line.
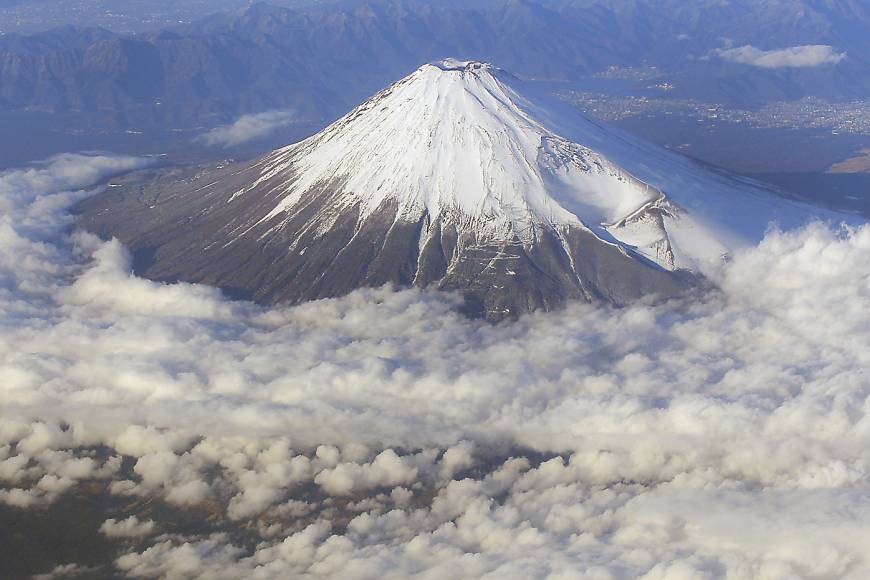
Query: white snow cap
x,y
456,140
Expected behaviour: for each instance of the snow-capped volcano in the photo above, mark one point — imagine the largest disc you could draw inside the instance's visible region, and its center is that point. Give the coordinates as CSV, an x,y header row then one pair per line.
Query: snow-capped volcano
x,y
453,141
456,176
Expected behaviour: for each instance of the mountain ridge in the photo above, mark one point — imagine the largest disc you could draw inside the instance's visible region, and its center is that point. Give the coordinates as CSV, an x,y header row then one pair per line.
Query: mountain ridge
x,y
274,58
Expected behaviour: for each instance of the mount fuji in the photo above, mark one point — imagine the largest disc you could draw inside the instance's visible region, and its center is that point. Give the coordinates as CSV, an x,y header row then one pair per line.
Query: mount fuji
x,y
460,177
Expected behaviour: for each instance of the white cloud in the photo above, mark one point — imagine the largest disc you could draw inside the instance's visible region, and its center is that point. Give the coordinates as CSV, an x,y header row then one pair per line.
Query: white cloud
x,y
110,284
67,571
131,527
387,470
383,435
248,128
805,56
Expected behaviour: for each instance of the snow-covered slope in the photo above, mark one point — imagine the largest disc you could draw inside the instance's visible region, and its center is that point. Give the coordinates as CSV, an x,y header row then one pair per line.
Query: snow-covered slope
x,y
454,139
460,139
460,176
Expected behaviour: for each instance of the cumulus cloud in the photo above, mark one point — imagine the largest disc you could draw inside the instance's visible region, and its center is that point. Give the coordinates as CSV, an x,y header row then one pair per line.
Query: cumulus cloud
x,y
384,435
67,571
110,284
804,56
387,470
248,128
128,528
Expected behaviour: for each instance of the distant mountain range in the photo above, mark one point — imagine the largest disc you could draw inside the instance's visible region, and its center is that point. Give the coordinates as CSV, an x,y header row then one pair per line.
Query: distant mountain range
x,y
322,59
458,177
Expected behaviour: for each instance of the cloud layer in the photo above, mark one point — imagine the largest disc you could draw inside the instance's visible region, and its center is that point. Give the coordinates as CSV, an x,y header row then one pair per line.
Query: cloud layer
x,y
383,435
248,128
805,56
